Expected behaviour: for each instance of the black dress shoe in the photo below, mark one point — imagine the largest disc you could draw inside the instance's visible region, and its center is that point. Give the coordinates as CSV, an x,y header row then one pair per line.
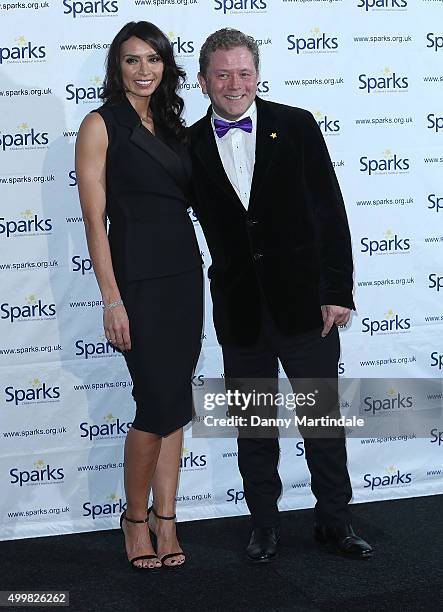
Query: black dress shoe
x,y
263,544
343,541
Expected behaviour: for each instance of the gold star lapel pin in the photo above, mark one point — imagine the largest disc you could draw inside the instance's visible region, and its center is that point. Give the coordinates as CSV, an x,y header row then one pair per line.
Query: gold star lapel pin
x,y
273,135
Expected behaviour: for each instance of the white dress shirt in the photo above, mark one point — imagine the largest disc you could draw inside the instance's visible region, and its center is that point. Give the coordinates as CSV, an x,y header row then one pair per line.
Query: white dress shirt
x,y
237,153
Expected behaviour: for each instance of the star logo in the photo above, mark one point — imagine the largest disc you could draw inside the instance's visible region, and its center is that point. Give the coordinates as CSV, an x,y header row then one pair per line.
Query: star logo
x,y
31,299
112,497
109,417
390,313
20,40
171,35
318,114
392,392
96,80
39,463
390,469
27,214
273,135
23,126
184,451
387,70
316,30
387,152
35,382
388,233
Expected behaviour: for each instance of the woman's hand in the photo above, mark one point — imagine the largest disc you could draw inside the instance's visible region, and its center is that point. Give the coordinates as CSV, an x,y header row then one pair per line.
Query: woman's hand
x,y
116,324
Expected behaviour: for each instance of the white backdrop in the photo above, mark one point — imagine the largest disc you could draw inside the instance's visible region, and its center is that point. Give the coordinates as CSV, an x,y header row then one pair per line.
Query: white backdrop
x,y
371,72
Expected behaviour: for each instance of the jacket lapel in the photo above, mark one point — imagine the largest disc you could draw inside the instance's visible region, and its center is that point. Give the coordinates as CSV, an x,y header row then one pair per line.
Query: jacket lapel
x,y
265,150
150,144
205,148
265,147
159,151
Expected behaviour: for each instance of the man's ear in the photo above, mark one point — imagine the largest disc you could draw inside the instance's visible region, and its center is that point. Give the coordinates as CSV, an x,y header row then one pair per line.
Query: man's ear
x,y
202,81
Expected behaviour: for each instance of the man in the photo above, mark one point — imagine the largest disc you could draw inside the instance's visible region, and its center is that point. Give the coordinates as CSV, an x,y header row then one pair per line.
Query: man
x,y
281,274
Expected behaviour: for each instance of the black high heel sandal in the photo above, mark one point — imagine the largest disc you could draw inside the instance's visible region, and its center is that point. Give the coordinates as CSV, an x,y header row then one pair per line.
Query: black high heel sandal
x,y
141,557
154,537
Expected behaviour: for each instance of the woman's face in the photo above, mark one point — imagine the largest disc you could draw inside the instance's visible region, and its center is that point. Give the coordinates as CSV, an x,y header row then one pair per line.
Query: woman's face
x,y
141,67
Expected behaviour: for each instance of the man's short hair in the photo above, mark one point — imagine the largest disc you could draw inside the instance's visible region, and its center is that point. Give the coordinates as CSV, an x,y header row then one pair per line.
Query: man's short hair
x,y
227,38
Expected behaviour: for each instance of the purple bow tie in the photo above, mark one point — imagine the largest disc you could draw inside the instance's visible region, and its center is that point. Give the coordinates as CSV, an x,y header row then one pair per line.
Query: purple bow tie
x,y
223,127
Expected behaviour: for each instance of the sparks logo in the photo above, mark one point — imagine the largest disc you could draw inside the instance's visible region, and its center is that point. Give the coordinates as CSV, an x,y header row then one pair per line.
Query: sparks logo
x,y
181,46
37,392
30,224
383,5
319,42
390,244
89,350
390,163
392,478
72,179
33,310
436,360
113,505
435,282
240,6
96,8
190,461
24,138
388,83
392,402
235,496
198,381
42,474
263,87
22,52
436,203
434,123
434,42
111,428
391,324
81,264
86,95
436,437
300,449
326,124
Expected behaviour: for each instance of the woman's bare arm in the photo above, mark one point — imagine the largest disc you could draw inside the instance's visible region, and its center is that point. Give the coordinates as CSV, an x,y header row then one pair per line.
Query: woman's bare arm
x,y
90,166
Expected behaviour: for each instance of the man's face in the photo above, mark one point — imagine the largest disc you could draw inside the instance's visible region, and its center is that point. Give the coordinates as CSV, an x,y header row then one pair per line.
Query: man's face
x,y
230,82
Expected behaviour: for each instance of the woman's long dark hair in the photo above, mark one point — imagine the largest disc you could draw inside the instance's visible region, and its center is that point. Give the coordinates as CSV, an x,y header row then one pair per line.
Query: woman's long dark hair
x,y
166,104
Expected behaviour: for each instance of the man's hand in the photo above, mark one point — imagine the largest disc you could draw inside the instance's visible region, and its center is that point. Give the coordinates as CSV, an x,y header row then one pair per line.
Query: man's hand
x,y
334,314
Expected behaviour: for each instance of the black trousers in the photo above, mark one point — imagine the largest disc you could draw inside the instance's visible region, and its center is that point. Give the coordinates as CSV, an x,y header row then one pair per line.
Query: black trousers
x,y
305,355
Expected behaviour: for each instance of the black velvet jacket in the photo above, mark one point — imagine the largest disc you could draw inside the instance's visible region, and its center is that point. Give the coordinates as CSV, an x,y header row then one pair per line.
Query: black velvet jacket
x,y
293,242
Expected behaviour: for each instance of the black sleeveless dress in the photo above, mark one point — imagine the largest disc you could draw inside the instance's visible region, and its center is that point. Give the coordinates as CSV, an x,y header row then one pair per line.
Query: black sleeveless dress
x,y
157,265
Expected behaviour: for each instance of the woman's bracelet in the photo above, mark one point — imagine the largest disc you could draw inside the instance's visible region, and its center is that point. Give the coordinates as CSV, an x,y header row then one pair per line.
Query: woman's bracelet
x,y
113,305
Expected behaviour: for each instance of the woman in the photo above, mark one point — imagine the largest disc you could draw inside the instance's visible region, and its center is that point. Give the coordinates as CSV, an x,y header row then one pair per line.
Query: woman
x,y
132,167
